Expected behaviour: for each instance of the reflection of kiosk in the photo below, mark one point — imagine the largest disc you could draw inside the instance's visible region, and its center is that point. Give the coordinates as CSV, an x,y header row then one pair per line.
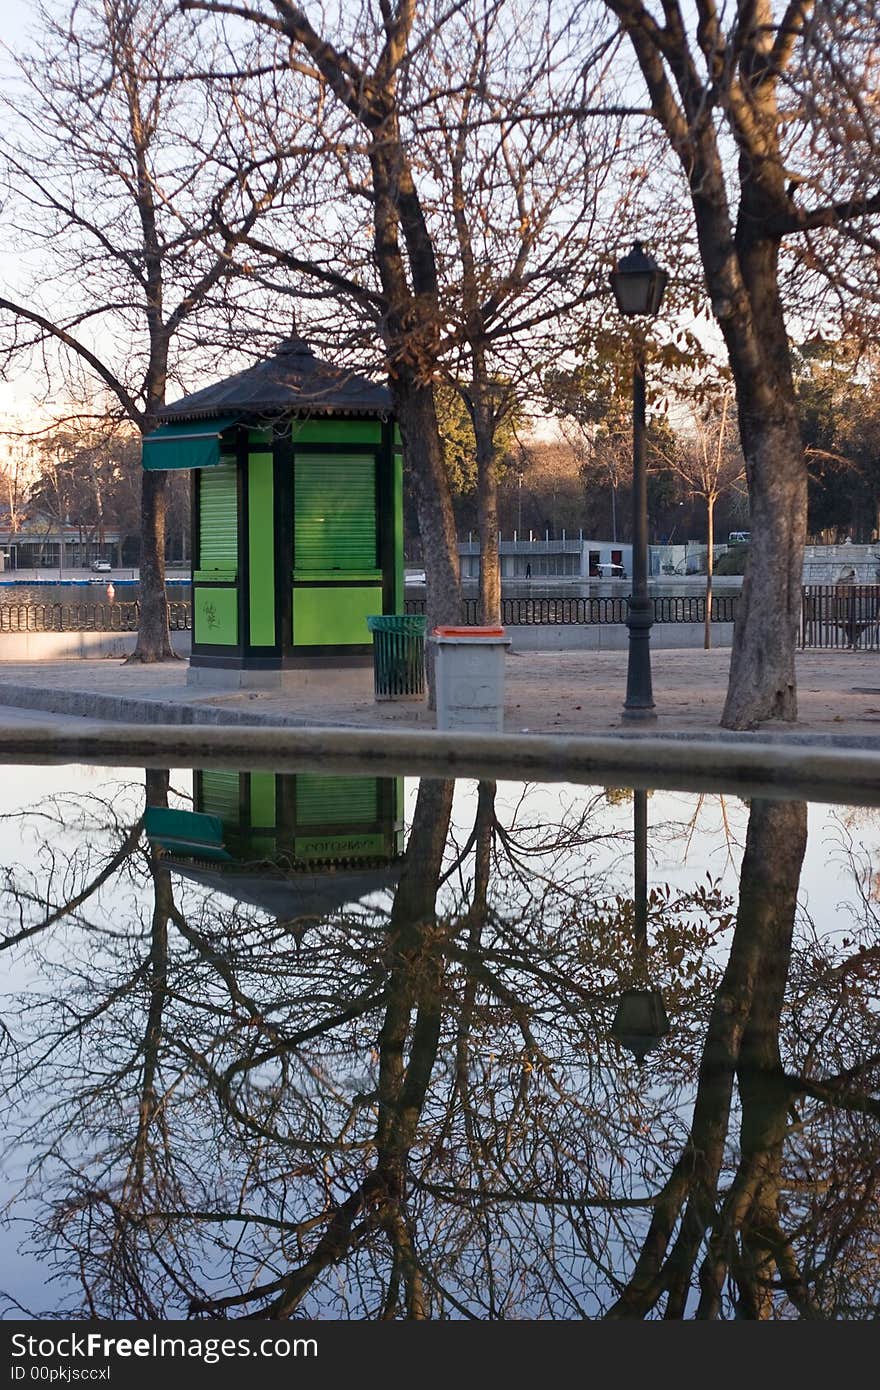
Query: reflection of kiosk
x,y
297,515
284,841
302,819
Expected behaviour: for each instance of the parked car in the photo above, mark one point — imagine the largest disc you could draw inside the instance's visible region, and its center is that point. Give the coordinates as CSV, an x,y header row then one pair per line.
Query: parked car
x,y
739,538
101,567
606,570
415,577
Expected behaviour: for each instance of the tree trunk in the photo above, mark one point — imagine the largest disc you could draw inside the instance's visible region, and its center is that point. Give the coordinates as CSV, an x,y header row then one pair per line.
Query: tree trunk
x,y
762,682
154,637
707,631
762,670
414,406
487,507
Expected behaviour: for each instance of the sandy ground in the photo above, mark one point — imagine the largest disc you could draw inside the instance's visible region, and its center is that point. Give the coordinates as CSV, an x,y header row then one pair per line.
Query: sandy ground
x,y
545,692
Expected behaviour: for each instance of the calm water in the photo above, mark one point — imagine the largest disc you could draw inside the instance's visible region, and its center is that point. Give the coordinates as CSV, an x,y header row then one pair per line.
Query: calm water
x,y
93,590
353,1048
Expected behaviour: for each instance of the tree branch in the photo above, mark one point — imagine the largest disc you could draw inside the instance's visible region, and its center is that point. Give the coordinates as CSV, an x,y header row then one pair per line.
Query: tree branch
x,y
62,336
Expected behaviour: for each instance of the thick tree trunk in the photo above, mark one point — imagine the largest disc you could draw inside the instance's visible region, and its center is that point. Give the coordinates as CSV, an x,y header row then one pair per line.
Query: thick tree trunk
x,y
762,672
154,637
414,406
762,683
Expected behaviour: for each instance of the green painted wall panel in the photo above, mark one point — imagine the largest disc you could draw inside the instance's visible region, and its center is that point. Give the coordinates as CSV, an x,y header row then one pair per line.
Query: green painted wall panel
x,y
258,437
397,514
263,800
261,542
336,431
215,613
334,615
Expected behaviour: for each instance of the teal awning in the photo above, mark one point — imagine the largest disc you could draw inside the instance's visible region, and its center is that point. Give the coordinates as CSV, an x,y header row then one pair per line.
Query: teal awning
x,y
190,444
189,834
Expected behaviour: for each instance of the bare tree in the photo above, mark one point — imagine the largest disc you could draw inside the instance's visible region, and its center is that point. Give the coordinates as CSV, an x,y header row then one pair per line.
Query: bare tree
x,y
456,144
120,175
710,464
521,174
15,480
765,111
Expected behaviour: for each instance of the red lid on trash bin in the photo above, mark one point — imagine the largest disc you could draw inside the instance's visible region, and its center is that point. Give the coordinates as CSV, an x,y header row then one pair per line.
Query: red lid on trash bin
x,y
468,631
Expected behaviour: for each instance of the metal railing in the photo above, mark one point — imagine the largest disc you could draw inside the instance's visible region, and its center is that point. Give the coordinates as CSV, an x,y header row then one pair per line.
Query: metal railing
x,y
833,616
534,612
86,617
841,616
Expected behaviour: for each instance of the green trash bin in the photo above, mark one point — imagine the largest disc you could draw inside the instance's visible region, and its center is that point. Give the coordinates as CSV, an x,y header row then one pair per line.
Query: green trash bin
x,y
398,655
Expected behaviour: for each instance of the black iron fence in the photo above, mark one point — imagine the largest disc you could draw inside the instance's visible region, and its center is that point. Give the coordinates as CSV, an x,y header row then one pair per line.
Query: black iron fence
x,y
86,617
841,616
533,612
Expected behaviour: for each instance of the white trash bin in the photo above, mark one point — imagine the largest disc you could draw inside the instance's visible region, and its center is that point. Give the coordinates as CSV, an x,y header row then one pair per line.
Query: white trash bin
x,y
469,677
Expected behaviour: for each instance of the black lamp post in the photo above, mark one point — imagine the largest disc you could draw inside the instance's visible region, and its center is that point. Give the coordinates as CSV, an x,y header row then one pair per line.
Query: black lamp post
x,y
638,284
640,1022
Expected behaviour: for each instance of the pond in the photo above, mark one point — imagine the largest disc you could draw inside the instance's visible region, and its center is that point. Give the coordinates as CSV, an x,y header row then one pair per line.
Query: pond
x,y
292,1045
91,590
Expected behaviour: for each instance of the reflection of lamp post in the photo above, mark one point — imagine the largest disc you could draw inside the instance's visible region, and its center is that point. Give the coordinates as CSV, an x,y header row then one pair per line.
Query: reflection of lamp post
x,y
640,1022
638,284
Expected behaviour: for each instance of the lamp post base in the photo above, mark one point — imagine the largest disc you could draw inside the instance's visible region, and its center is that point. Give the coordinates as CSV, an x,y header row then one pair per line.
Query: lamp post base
x,y
639,702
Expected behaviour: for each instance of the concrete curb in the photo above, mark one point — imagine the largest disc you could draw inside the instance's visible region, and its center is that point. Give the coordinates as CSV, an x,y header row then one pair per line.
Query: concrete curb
x,y
136,709
133,708
755,767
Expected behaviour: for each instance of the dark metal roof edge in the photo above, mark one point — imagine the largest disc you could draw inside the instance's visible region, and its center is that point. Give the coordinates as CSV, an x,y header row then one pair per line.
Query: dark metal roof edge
x,y
269,414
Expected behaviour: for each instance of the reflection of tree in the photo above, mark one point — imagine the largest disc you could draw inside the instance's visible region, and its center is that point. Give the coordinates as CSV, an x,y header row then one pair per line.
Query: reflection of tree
x,y
411,1107
68,889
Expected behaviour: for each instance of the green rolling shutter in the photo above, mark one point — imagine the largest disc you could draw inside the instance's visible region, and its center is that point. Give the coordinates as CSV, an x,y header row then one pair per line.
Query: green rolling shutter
x,y
335,513
218,518
336,800
220,795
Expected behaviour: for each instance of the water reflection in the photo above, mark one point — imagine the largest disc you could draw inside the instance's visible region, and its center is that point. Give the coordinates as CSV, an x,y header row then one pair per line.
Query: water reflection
x,y
296,844
320,1074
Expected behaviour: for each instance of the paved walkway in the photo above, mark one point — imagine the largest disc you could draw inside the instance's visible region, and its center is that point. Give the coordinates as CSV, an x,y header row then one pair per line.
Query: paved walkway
x,y
546,692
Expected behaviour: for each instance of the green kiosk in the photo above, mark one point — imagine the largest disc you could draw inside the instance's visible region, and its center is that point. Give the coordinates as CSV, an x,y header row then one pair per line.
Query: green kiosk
x,y
297,513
